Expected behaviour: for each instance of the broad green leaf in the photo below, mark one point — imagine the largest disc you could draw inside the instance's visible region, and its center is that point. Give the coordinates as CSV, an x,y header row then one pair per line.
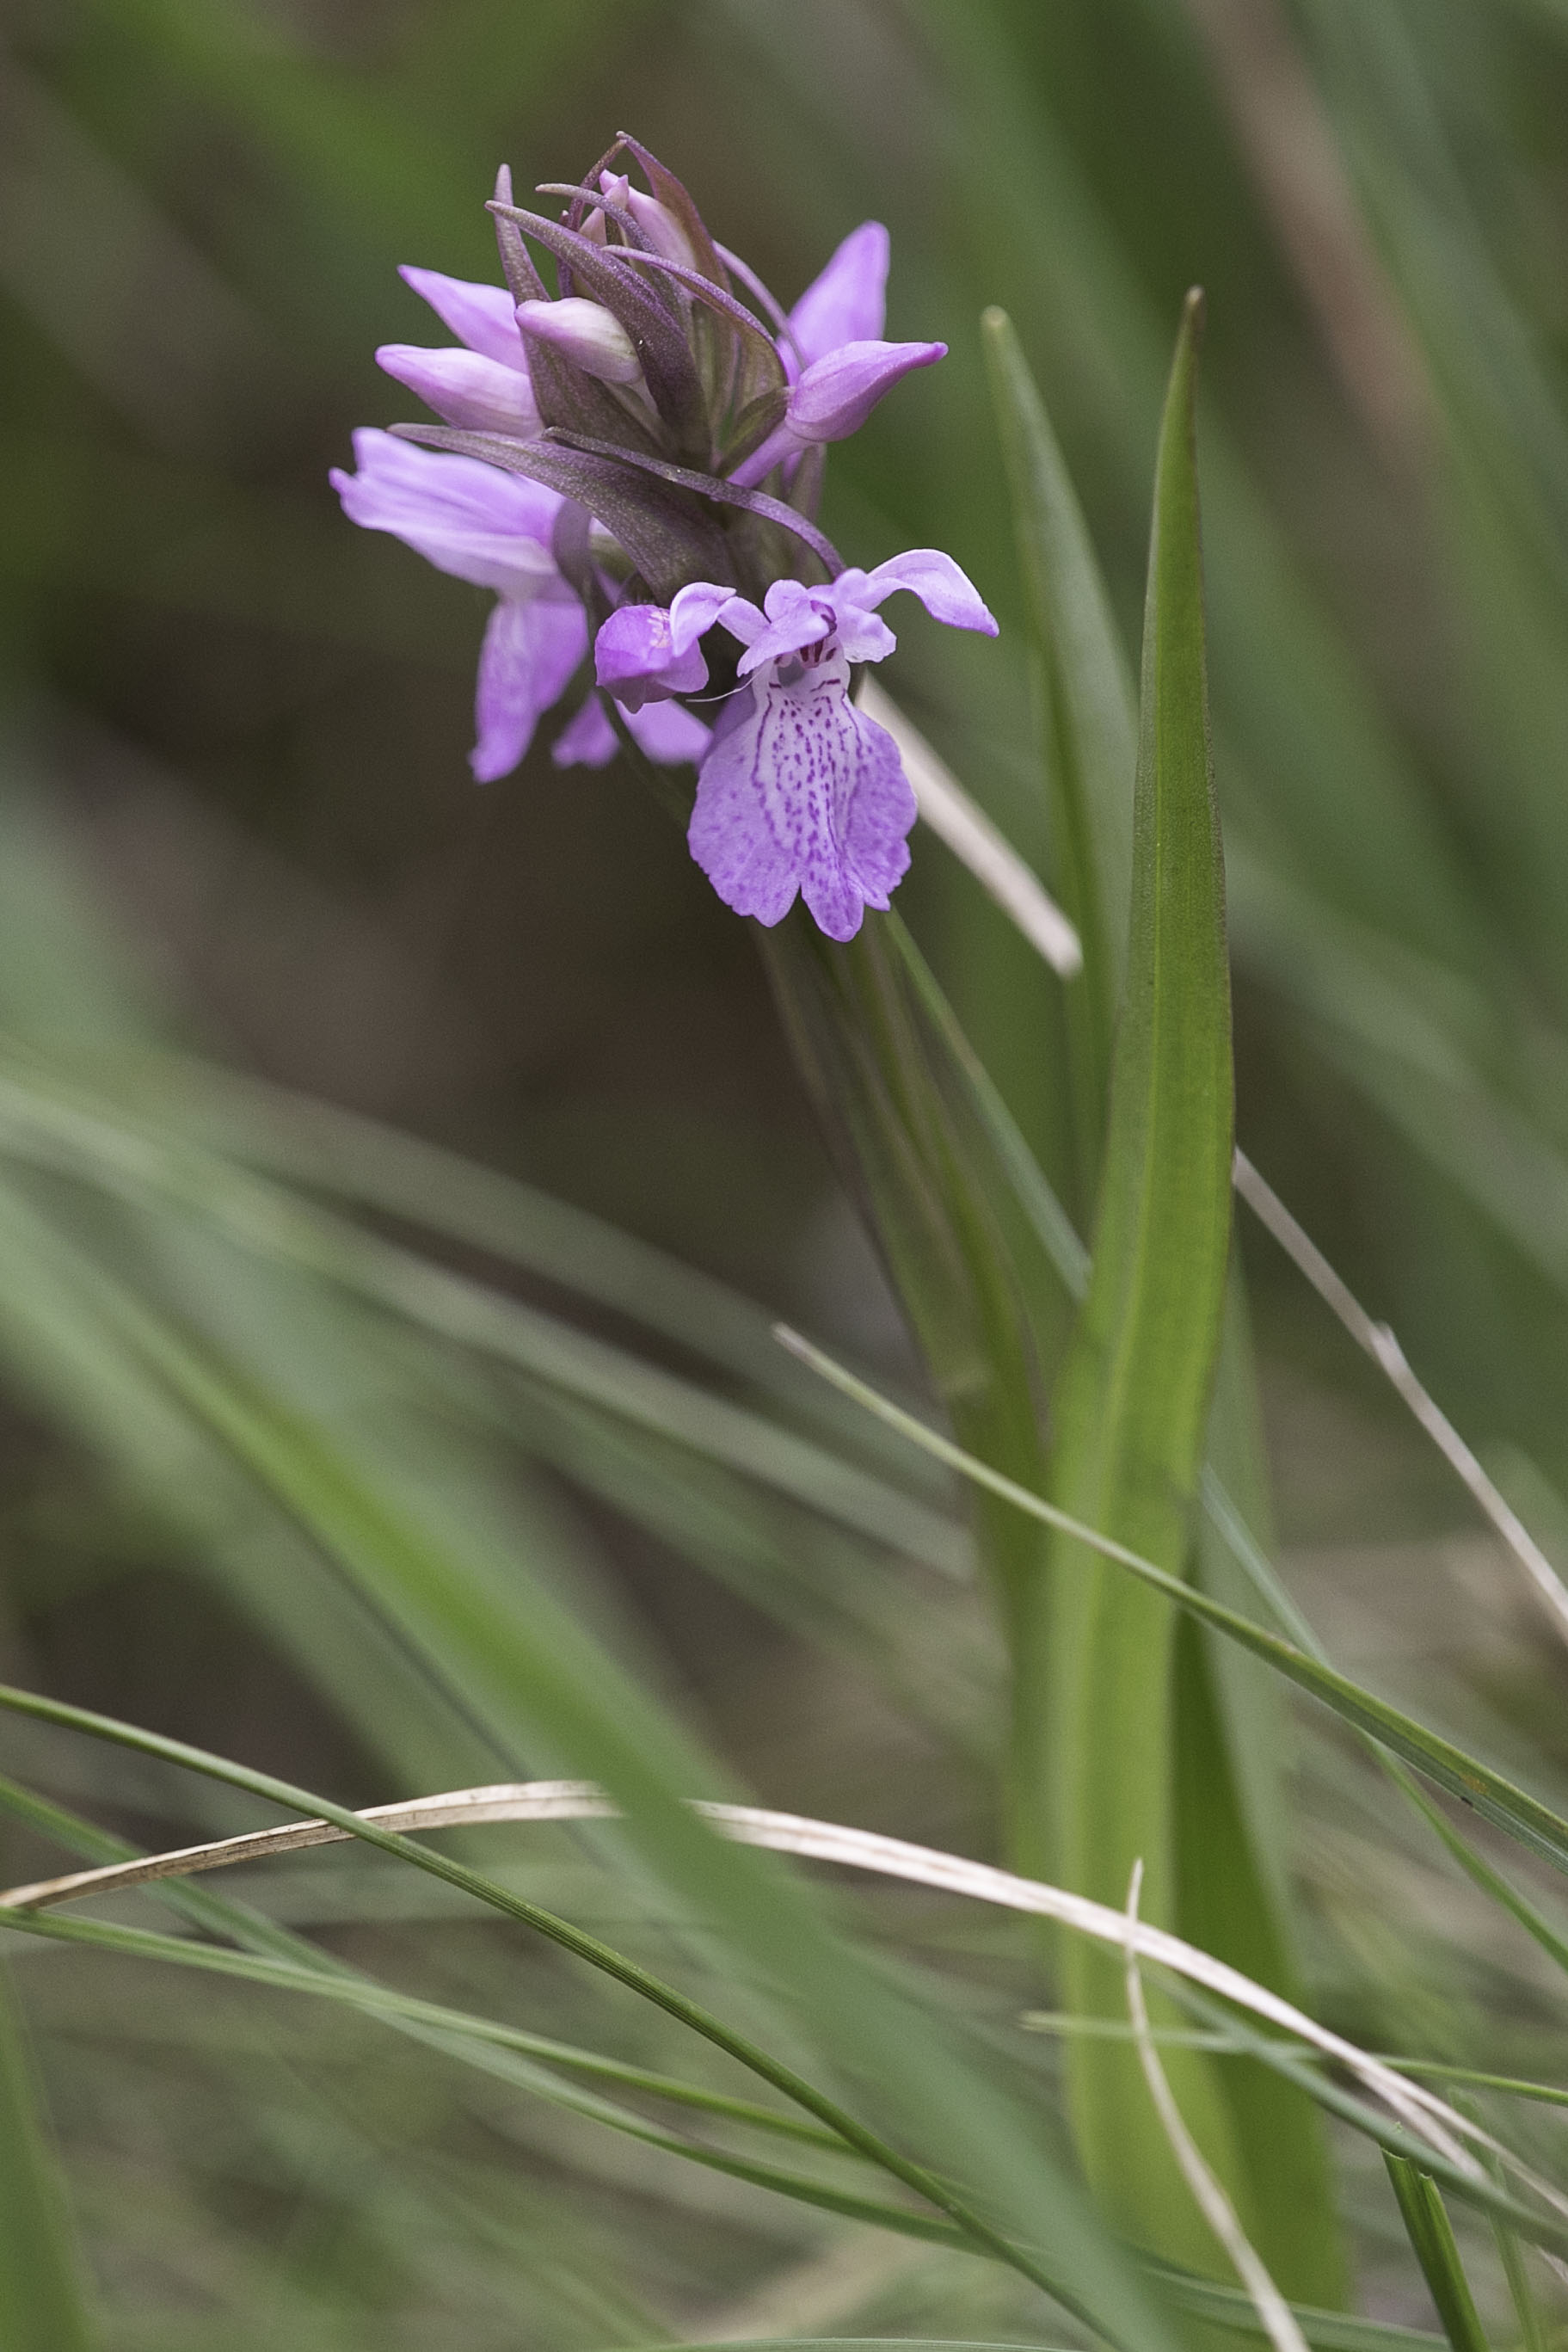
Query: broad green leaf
x,y
1431,2236
1226,1825
43,2297
1132,1401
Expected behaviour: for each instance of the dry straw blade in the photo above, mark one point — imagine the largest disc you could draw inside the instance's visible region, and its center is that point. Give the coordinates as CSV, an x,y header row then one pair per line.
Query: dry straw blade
x,y
1420,2111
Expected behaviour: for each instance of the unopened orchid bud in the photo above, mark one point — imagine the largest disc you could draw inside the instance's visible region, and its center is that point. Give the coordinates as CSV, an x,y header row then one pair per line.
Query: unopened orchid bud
x,y
615,186
836,394
659,227
834,398
585,332
465,388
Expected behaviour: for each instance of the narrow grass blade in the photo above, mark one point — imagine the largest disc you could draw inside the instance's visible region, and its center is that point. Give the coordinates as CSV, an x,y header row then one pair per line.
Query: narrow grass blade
x,y
1088,717
464,2035
267,1220
43,2297
1535,1825
1431,2234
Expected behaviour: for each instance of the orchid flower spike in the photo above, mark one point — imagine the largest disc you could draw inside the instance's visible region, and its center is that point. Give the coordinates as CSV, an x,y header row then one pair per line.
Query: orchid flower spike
x,y
798,790
602,451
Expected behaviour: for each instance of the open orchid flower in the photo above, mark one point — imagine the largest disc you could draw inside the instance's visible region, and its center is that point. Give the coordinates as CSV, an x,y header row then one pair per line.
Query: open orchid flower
x,y
798,790
497,529
837,366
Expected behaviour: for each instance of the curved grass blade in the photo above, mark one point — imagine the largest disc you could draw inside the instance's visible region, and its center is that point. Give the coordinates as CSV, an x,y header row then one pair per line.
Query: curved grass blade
x,y
258,1934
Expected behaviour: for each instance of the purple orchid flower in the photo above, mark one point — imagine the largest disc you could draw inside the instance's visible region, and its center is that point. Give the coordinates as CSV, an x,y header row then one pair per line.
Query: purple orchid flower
x,y
580,430
497,530
837,366
484,387
798,790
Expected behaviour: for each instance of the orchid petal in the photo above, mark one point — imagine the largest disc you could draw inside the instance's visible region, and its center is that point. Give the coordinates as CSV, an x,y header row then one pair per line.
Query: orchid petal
x,y
862,637
644,653
800,792
833,399
636,661
695,609
588,739
483,317
846,304
664,731
796,619
837,392
530,653
465,388
659,227
743,619
669,734
465,517
947,592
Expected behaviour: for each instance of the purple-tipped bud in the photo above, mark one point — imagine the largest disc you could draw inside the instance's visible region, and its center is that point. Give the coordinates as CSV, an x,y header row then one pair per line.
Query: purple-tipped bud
x,y
837,393
656,221
659,227
465,388
585,332
617,187
834,398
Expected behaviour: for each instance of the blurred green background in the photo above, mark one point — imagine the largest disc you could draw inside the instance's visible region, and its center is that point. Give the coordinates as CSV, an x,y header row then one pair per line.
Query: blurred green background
x,y
237,830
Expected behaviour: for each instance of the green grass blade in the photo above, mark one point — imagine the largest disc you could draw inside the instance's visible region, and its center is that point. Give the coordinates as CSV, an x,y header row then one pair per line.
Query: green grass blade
x,y
261,1936
1133,1399
42,2299
1431,2234
1228,2308
266,1219
462,2035
1533,1824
